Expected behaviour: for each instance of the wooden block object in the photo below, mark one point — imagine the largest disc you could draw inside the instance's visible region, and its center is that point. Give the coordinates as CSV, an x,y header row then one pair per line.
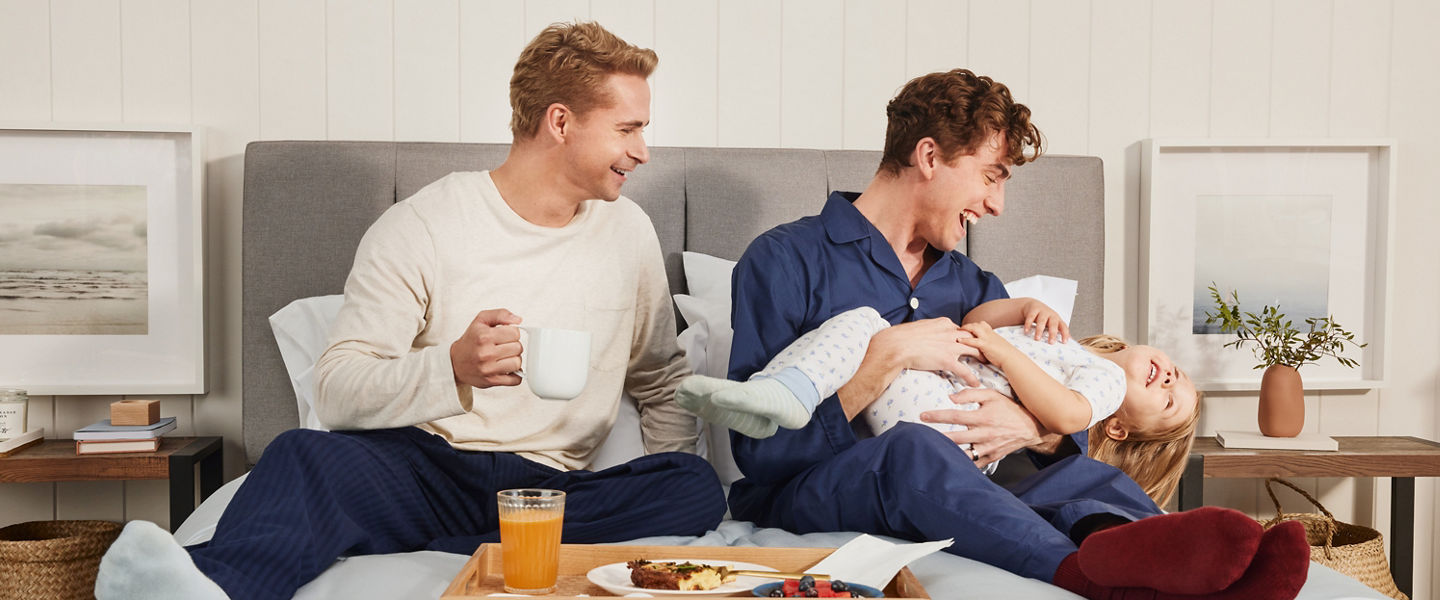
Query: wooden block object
x,y
134,412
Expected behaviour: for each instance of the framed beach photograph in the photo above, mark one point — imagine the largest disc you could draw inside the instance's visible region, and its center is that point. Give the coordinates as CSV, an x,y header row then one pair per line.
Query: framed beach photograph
x,y
101,260
1302,224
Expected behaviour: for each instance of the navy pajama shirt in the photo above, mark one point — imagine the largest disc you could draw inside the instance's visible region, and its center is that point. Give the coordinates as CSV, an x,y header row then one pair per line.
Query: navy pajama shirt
x,y
911,482
317,495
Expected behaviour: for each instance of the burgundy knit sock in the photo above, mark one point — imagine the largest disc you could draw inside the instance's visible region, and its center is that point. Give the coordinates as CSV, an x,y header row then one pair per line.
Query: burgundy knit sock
x,y
1277,572
1070,577
1280,567
1197,551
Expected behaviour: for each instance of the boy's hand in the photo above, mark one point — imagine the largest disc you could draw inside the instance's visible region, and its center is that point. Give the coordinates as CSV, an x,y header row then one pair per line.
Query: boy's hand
x,y
1040,318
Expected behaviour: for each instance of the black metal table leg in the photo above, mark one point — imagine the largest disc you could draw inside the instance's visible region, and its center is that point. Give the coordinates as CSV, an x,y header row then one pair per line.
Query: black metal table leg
x,y
182,488
1402,532
182,476
1192,483
211,473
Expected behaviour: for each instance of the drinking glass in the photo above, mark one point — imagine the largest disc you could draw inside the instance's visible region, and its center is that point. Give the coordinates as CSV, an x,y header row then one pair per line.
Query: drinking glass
x,y
530,523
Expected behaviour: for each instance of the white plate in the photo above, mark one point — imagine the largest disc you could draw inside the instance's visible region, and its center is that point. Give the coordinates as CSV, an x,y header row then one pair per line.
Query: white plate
x,y
615,578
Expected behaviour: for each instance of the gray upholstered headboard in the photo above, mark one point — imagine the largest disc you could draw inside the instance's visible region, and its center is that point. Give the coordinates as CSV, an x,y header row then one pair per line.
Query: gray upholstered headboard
x,y
308,203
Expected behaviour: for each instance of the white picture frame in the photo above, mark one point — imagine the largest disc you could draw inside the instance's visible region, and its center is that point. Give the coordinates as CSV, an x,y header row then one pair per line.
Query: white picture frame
x,y
77,200
1238,209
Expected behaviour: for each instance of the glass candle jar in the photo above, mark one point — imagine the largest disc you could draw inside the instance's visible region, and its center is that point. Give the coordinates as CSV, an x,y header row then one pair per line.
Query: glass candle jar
x,y
13,403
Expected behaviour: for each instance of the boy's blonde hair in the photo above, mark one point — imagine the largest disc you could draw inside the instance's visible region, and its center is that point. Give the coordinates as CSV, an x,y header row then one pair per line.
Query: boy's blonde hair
x,y
568,63
1154,459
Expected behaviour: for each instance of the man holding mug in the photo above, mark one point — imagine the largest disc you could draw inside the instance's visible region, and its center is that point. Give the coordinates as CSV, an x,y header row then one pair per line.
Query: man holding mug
x,y
425,363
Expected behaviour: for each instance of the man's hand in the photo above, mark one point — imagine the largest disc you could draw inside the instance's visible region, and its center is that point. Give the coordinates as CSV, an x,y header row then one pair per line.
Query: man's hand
x,y
929,345
488,353
1000,426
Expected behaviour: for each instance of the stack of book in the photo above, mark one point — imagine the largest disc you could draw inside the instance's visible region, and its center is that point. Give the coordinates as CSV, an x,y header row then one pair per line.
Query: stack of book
x,y
104,438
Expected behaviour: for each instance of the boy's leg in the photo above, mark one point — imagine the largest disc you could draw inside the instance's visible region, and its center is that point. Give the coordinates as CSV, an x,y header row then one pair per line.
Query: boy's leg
x,y
830,354
697,392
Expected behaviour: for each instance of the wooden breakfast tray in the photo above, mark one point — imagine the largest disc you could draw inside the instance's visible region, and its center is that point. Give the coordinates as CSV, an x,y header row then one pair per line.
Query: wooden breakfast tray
x,y
481,575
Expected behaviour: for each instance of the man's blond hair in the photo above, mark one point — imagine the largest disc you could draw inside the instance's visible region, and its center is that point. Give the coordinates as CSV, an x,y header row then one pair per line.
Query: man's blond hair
x,y
567,64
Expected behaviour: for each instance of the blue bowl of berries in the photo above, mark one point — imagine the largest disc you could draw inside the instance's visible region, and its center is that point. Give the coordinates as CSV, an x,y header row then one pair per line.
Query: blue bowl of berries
x,y
809,587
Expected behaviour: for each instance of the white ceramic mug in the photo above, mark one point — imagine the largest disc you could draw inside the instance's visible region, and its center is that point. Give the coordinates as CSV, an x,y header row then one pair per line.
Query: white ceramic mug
x,y
556,362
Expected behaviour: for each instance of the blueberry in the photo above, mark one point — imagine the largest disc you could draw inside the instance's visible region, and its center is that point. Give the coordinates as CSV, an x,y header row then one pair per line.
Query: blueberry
x,y
839,586
777,592
807,581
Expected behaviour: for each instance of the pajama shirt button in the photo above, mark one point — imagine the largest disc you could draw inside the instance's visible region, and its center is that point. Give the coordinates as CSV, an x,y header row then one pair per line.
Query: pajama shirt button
x,y
914,303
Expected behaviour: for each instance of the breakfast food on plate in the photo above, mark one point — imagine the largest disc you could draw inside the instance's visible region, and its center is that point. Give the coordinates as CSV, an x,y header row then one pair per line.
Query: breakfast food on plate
x,y
684,576
808,587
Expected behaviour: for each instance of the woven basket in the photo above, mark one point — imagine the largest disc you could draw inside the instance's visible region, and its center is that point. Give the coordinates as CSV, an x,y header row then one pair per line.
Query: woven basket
x,y
1354,550
53,560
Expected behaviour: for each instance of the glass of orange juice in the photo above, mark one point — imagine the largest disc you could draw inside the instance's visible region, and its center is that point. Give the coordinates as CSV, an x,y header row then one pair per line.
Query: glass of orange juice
x,y
530,522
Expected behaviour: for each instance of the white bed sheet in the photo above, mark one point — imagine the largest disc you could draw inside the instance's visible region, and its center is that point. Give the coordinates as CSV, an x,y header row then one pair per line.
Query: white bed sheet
x,y
426,574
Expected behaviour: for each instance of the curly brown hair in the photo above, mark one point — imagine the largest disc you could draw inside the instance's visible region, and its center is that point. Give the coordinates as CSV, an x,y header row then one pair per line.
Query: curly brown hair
x,y
568,63
959,110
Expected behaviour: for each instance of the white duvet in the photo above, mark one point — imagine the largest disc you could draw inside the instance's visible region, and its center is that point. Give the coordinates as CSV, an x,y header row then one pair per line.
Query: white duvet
x,y
426,574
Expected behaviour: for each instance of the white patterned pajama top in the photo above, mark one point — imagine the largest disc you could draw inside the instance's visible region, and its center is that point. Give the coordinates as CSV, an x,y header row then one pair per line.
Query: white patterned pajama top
x,y
830,355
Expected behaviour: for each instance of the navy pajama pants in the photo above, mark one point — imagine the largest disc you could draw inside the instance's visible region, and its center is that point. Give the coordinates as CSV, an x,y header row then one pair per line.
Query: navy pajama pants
x,y
315,496
914,483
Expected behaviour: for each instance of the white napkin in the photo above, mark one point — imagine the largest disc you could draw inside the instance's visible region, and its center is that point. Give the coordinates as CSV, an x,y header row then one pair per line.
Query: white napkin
x,y
871,561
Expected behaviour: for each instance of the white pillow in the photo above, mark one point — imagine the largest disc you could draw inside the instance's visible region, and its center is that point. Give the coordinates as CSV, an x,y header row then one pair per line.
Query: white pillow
x,y
708,276
706,310
302,331
1058,294
707,338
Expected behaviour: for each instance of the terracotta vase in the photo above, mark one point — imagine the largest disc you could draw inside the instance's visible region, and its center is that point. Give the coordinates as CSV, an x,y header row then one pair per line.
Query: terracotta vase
x,y
1282,402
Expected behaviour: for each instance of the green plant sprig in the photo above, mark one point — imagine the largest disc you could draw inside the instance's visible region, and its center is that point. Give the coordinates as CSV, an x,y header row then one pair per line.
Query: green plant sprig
x,y
1277,341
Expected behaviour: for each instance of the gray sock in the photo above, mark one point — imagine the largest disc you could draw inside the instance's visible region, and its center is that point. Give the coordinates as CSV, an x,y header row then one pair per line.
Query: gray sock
x,y
696,394
766,397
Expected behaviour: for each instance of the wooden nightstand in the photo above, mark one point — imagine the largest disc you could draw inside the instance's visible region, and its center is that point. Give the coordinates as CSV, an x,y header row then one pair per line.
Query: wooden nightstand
x,y
55,460
1400,458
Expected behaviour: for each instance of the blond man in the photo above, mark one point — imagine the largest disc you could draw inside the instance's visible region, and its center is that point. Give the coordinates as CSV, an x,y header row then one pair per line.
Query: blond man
x,y
434,423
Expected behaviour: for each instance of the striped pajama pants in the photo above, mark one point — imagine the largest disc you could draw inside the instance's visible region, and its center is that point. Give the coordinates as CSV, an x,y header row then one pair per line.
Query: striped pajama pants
x,y
315,496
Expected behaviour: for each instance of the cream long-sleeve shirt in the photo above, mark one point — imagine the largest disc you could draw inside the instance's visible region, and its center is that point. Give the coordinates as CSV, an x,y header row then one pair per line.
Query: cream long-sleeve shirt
x,y
433,261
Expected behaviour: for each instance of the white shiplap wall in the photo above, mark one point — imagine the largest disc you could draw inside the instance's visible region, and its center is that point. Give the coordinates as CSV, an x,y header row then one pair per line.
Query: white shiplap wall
x,y
1101,75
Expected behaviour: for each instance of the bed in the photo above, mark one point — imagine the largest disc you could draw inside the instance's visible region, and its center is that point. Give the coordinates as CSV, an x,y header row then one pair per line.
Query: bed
x,y
306,204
